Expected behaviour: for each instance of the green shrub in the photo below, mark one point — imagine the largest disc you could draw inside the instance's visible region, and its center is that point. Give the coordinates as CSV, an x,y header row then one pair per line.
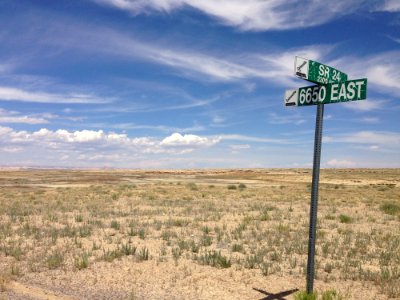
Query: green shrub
x,y
302,295
232,187
55,260
115,225
82,261
143,254
237,248
345,219
390,208
192,186
332,295
215,259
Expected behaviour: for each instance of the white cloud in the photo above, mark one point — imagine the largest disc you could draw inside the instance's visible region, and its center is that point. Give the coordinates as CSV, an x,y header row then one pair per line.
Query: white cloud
x,y
98,141
252,15
386,138
176,139
366,105
394,39
23,119
207,65
11,149
244,138
240,147
16,117
389,5
16,94
335,163
382,70
296,119
370,120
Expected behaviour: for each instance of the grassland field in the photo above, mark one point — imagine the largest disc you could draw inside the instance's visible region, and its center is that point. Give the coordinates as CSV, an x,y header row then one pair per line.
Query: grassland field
x,y
196,234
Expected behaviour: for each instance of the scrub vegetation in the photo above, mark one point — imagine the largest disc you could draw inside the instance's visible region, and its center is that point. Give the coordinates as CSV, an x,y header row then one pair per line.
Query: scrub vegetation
x,y
208,234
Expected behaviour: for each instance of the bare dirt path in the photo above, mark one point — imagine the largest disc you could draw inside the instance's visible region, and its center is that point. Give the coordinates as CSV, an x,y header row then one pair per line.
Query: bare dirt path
x,y
22,291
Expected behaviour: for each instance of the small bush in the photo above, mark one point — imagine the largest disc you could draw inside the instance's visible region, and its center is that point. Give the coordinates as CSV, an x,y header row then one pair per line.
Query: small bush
x,y
302,295
128,249
237,248
142,233
242,186
390,208
332,295
192,186
215,259
345,219
82,261
115,225
143,254
55,260
232,187
110,255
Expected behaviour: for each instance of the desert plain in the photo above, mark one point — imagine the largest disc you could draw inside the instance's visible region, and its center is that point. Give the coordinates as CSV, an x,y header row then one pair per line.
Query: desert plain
x,y
196,234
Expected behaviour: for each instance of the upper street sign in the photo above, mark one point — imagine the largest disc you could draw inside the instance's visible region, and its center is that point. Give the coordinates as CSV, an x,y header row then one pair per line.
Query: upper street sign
x,y
316,72
350,90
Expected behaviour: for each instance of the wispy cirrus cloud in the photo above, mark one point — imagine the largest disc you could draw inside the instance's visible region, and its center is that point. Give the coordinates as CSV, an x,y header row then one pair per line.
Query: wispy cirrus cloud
x,y
22,95
16,117
384,138
297,119
252,15
245,138
366,105
382,70
205,65
389,5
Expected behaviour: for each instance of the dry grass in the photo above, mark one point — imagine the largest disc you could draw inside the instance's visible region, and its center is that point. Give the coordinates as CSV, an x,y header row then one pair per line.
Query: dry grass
x,y
207,234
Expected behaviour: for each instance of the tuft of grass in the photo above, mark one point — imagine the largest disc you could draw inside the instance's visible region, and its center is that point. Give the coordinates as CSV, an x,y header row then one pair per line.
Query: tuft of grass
x,y
110,255
332,295
215,259
242,186
128,249
390,208
231,187
143,254
115,225
55,260
345,219
192,186
237,248
82,261
142,233
303,295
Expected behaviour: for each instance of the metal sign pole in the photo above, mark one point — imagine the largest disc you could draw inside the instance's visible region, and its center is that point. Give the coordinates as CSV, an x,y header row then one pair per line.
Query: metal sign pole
x,y
314,198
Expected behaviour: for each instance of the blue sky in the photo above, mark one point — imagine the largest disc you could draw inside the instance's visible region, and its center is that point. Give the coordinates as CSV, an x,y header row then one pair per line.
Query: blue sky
x,y
193,83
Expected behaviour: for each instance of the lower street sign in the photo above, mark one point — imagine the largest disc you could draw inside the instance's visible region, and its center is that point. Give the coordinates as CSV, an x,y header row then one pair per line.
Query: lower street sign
x,y
350,90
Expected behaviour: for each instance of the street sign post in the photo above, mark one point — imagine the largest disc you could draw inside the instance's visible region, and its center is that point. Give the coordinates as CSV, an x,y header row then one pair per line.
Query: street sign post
x,y
350,90
333,87
316,72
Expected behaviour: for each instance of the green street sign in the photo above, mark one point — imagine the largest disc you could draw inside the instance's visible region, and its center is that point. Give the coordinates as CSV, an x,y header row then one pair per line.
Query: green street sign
x,y
316,72
350,90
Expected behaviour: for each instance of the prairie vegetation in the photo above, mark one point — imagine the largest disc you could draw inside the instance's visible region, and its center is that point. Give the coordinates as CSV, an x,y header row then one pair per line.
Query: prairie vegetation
x,y
201,234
